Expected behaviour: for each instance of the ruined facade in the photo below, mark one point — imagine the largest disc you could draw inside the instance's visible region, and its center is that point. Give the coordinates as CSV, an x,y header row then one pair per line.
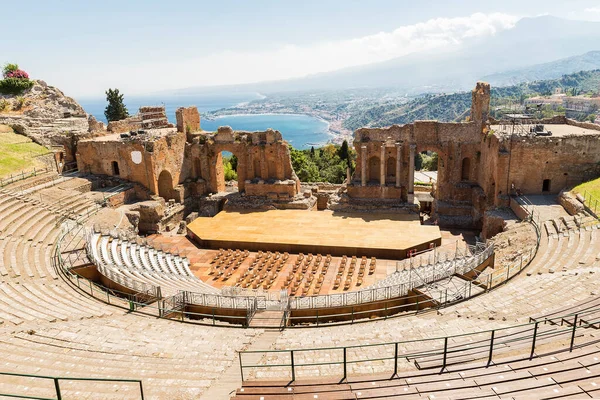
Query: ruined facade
x,y
385,167
480,162
176,163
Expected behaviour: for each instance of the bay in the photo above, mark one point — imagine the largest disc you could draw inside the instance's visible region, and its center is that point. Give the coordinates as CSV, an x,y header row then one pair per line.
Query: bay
x,y
301,131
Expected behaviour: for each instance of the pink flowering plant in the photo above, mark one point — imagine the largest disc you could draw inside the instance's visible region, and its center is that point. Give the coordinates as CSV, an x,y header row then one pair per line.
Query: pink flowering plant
x,y
18,74
15,80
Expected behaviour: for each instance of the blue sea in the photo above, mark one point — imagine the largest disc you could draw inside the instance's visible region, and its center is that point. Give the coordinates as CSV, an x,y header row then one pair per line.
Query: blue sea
x,y
301,131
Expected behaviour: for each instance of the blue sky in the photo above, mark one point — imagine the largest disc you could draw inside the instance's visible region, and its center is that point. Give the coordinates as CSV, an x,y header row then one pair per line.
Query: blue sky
x,y
83,47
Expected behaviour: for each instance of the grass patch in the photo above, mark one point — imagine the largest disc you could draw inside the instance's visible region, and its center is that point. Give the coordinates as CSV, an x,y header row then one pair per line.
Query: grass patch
x,y
592,187
17,153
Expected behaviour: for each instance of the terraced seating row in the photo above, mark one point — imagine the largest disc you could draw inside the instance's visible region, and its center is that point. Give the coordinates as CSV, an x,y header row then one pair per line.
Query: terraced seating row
x,y
175,361
48,327
562,225
30,290
146,264
567,375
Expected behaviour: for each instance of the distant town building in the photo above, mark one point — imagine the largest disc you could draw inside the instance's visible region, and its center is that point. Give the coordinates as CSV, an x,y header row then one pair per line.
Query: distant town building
x,y
572,104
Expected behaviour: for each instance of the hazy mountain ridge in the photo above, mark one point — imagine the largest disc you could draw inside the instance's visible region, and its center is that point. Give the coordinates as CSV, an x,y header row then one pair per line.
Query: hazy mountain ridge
x,y
550,70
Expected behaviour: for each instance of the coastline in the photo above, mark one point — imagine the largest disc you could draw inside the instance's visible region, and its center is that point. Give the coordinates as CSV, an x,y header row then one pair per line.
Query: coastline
x,y
334,128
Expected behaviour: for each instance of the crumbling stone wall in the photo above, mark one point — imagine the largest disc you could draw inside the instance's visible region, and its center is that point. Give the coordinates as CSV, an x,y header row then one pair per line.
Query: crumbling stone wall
x,y
264,163
148,117
188,120
140,159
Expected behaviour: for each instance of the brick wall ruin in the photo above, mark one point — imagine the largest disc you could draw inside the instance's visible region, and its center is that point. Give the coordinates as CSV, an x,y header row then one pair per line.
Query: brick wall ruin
x,y
148,117
478,168
178,163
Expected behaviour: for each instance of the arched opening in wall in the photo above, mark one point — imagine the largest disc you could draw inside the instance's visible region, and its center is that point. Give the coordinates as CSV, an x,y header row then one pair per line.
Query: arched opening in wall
x,y
229,164
465,174
115,168
374,170
390,168
546,185
197,167
426,168
165,185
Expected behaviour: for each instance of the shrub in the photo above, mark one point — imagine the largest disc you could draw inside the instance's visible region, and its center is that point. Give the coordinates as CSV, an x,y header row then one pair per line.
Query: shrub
x,y
4,105
20,102
9,68
15,85
15,80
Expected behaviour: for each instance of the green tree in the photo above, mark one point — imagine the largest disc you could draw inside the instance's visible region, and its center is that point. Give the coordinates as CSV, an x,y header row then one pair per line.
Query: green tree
x,y
343,152
228,170
115,110
234,162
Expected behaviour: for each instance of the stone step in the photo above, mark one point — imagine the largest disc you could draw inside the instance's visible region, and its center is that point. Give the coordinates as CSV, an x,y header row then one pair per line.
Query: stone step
x,y
267,318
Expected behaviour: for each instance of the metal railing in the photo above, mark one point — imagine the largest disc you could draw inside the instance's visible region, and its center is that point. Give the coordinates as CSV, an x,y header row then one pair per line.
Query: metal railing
x,y
220,301
434,353
591,203
446,296
417,277
22,176
57,379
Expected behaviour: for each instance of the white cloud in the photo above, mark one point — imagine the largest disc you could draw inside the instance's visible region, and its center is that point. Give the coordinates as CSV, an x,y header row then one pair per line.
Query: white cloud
x,y
592,10
289,61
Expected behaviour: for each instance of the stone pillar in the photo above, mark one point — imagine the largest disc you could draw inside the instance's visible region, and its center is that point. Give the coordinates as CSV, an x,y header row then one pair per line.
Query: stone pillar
x,y
363,165
382,166
398,163
411,170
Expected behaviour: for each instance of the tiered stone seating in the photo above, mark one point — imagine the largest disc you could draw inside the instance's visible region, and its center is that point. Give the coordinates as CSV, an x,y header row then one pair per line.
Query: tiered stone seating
x,y
48,327
146,264
30,290
536,291
173,360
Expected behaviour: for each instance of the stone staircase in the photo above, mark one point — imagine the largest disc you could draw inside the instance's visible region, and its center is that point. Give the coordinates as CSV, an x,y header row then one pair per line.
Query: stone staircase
x,y
267,319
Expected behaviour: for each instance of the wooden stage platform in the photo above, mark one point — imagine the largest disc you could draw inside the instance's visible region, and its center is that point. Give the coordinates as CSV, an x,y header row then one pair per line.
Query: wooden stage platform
x,y
389,236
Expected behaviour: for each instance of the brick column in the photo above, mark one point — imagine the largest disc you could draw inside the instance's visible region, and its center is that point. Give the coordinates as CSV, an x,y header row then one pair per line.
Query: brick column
x,y
411,169
382,166
398,163
363,165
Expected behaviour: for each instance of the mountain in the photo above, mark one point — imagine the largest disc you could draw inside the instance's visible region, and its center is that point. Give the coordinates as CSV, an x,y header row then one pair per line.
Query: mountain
x,y
531,41
550,70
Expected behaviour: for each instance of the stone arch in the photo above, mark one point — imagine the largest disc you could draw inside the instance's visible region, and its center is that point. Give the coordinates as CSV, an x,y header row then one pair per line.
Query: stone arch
x,y
165,185
465,171
390,167
217,169
374,169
